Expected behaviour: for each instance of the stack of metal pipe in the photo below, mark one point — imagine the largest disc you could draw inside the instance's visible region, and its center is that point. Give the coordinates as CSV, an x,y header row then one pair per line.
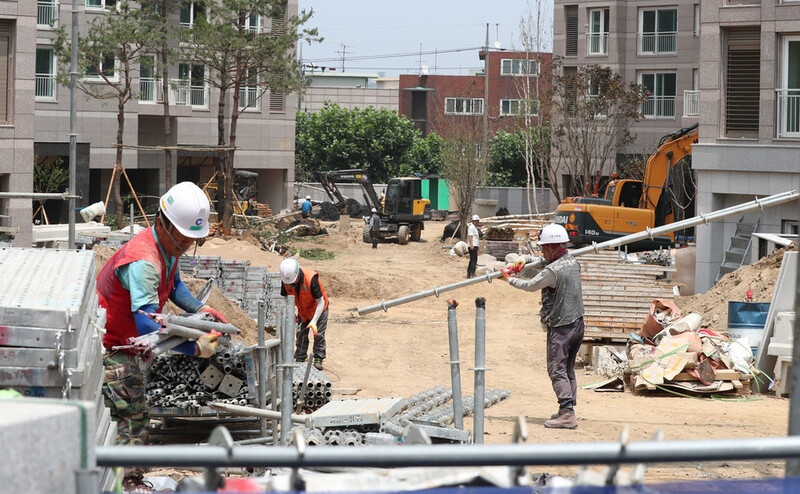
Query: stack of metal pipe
x,y
318,390
176,330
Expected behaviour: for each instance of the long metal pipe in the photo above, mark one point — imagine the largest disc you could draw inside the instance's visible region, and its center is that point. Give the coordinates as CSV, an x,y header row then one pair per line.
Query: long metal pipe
x,y
480,369
453,455
202,324
793,465
700,219
37,195
261,362
257,412
73,125
287,350
455,364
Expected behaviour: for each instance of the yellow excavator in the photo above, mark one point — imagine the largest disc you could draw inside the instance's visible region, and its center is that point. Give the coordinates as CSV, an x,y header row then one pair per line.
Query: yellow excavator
x,y
630,206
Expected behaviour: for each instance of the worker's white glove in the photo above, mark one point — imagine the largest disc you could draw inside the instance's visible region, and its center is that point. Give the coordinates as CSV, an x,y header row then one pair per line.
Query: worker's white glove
x,y
207,345
313,327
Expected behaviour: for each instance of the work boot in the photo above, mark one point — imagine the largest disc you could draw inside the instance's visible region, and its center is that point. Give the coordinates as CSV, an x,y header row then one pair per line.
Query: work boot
x,y
300,360
565,419
318,363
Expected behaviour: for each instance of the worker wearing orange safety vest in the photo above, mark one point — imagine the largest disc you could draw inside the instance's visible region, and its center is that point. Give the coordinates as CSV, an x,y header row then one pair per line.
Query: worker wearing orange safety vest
x,y
312,308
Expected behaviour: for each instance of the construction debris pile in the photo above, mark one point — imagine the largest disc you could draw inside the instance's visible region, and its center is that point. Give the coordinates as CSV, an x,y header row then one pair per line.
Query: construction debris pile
x,y
189,384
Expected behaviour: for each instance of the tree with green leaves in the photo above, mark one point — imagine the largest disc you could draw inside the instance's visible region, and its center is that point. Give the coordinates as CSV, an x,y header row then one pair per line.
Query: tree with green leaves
x,y
377,140
243,62
108,56
592,111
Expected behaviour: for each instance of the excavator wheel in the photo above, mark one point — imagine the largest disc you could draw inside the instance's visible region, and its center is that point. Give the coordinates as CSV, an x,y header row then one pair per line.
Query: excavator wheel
x,y
416,234
365,234
402,235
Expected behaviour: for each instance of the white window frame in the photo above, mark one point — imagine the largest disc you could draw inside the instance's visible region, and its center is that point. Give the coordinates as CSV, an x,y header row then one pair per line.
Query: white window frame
x,y
154,82
696,27
252,97
640,45
468,106
104,5
44,9
193,90
513,67
251,29
601,35
788,98
192,15
507,107
44,80
656,98
98,78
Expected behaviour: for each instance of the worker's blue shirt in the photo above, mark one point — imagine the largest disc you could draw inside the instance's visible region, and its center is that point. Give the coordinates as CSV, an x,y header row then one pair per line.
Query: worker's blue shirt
x,y
306,207
141,278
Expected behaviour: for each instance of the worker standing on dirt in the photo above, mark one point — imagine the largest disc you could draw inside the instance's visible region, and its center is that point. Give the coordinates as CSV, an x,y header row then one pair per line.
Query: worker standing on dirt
x,y
473,241
306,207
374,227
138,279
312,308
561,314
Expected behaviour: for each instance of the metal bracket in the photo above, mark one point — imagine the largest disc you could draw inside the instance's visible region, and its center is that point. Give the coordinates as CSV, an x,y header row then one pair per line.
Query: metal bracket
x,y
66,391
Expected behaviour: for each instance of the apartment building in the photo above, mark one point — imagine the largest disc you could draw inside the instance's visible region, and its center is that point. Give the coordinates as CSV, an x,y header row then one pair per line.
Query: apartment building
x,y
653,43
17,54
749,121
435,102
349,90
265,135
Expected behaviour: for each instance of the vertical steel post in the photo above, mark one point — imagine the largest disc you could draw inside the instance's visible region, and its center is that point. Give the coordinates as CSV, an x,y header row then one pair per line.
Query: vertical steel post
x,y
261,366
480,369
287,350
131,225
455,364
793,464
73,123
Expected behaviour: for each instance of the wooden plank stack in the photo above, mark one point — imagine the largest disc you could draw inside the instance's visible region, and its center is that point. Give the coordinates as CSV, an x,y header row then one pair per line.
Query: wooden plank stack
x,y
617,295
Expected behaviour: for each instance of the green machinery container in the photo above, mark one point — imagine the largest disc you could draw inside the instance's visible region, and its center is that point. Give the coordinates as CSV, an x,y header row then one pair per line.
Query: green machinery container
x,y
437,190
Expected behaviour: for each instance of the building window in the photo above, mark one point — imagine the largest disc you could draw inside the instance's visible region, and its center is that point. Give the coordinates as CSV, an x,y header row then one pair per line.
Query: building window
x,y
463,106
517,107
789,91
189,13
101,4
597,37
191,86
519,66
101,68
6,83
571,30
150,87
45,75
742,77
660,89
249,92
696,29
46,13
252,23
658,31
691,98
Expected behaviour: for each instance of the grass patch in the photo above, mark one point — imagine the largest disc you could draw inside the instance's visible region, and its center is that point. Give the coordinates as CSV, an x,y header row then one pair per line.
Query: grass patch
x,y
317,254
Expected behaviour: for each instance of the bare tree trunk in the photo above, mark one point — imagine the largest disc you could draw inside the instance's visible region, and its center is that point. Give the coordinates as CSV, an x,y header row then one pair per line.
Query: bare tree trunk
x,y
118,208
224,180
167,120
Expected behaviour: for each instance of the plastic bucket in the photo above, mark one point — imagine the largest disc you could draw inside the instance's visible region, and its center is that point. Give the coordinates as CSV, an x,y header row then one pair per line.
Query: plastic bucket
x,y
90,212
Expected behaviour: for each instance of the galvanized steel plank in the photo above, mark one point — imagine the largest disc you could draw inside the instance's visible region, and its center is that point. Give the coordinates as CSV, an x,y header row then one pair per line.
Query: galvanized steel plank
x,y
356,411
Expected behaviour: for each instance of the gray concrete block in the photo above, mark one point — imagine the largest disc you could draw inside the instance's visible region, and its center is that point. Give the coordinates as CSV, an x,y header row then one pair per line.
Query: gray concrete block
x,y
44,441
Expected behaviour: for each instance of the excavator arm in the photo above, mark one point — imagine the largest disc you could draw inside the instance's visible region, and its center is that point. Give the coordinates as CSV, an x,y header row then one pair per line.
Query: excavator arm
x,y
672,149
329,179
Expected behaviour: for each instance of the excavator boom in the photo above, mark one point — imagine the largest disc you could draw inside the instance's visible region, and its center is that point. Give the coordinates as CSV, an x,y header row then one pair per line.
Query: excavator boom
x,y
672,149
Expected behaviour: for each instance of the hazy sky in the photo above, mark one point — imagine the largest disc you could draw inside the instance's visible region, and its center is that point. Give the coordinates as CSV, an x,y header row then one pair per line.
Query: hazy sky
x,y
385,36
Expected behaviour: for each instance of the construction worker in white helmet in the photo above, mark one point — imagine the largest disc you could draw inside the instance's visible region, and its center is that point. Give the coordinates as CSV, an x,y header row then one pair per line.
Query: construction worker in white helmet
x,y
305,208
138,280
473,243
312,308
561,313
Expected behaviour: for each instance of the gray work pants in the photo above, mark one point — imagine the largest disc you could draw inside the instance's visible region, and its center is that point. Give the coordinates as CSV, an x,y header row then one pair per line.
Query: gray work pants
x,y
563,343
301,344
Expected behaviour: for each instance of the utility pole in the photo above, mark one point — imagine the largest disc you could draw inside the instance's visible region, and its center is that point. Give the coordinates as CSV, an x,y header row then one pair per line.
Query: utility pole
x,y
73,124
486,96
344,53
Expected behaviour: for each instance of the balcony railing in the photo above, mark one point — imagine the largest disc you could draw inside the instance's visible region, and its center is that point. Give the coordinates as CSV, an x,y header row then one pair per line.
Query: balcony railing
x,y
659,107
150,90
249,98
691,103
46,13
788,112
597,43
185,94
45,87
657,43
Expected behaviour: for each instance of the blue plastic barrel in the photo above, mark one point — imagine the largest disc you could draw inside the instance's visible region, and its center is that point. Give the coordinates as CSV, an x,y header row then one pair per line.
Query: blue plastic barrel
x,y
747,319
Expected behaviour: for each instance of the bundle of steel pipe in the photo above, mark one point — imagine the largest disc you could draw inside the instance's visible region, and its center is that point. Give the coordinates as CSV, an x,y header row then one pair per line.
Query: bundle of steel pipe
x,y
317,391
444,414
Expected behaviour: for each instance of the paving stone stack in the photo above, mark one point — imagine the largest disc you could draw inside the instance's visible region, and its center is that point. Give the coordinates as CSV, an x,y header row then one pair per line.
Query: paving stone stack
x,y
50,328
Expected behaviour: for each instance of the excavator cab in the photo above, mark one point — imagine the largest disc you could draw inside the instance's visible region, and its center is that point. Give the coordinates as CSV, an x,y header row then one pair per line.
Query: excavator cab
x,y
404,200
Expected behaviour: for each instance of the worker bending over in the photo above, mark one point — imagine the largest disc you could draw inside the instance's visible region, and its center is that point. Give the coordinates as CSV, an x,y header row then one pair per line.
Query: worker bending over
x,y
140,277
305,208
561,314
312,308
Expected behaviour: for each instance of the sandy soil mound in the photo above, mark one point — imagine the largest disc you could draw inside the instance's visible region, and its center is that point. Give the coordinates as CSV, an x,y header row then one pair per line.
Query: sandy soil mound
x,y
759,277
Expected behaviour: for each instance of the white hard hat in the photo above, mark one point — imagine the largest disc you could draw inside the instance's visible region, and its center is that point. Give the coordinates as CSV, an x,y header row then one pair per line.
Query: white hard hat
x,y
290,270
475,217
186,207
308,198
374,210
553,234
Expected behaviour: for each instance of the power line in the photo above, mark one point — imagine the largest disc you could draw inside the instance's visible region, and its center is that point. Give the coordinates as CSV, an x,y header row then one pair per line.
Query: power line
x,y
395,55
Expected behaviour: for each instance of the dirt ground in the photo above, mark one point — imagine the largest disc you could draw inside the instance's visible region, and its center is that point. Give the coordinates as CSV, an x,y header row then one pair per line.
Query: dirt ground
x,y
405,350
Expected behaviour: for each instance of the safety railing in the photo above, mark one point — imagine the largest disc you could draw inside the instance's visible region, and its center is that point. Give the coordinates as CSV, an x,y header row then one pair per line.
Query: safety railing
x,y
249,98
657,43
150,90
46,13
186,94
596,44
788,113
691,103
45,87
659,107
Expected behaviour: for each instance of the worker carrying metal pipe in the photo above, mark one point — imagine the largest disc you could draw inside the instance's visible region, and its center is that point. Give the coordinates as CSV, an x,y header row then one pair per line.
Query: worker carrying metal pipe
x,y
561,313
137,280
312,308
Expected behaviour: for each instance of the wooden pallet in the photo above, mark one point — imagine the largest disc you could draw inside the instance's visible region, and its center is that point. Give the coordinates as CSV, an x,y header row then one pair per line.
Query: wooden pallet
x,y
741,384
